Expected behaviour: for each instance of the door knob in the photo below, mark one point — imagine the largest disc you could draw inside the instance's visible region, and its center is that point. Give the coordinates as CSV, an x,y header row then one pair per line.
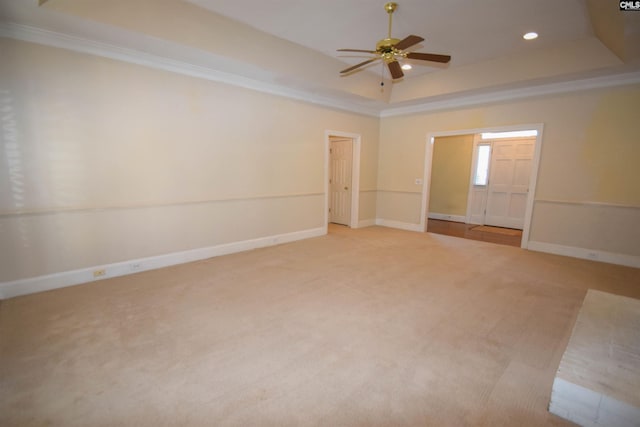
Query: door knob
x,y
346,188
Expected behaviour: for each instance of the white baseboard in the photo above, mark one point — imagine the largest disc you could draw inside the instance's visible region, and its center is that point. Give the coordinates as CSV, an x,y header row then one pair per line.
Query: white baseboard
x,y
75,277
447,217
584,253
366,223
398,224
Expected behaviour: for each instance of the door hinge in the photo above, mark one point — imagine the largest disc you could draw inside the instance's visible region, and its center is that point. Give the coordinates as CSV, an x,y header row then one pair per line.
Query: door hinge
x,y
330,150
329,210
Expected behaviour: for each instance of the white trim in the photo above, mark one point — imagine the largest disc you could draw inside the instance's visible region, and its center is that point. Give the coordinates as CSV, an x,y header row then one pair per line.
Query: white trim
x,y
366,223
587,203
106,50
325,223
399,191
426,182
355,173
447,217
399,224
585,253
76,209
93,47
84,275
355,182
532,180
516,134
515,94
473,131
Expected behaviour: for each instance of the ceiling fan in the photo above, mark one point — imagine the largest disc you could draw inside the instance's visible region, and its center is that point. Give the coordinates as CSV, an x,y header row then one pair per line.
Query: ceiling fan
x,y
390,49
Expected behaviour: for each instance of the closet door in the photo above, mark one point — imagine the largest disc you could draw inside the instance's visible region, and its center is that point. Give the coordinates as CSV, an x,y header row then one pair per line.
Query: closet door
x,y
340,160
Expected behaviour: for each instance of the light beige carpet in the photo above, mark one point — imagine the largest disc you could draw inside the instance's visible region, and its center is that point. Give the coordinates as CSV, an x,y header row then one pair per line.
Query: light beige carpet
x,y
363,327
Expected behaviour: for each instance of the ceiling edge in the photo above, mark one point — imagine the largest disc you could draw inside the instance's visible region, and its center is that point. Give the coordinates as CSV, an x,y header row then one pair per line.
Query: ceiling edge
x,y
515,94
78,44
83,45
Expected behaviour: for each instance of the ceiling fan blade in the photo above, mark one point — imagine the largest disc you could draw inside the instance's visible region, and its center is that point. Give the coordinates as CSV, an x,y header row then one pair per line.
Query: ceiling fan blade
x,y
395,69
429,57
356,50
408,42
346,70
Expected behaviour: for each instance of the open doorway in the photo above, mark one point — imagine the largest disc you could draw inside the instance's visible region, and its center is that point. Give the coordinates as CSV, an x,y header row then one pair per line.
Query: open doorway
x,y
342,183
479,184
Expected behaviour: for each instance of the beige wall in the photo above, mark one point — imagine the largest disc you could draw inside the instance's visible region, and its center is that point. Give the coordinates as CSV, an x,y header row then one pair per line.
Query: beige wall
x,y
588,194
105,161
450,173
192,26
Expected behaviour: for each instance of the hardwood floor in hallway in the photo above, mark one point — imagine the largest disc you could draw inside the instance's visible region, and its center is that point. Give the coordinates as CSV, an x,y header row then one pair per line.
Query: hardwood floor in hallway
x,y
503,236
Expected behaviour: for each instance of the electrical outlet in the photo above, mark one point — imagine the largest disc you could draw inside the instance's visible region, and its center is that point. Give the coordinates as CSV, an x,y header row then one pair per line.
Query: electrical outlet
x,y
99,273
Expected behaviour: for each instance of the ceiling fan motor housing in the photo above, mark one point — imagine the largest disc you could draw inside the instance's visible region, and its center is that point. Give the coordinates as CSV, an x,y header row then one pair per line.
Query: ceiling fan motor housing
x,y
385,48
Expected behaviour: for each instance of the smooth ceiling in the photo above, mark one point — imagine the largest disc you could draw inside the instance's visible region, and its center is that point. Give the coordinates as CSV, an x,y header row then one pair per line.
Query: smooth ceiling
x,y
469,31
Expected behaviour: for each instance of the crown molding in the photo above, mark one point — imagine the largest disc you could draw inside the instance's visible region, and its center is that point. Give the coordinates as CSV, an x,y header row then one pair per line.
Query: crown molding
x,y
515,94
84,45
106,50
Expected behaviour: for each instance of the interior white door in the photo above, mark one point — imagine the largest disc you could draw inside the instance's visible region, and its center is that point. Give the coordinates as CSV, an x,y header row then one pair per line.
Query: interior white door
x,y
340,161
476,205
477,198
508,188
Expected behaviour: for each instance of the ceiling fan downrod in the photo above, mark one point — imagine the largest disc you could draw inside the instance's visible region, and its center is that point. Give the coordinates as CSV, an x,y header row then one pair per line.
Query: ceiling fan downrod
x,y
390,8
385,46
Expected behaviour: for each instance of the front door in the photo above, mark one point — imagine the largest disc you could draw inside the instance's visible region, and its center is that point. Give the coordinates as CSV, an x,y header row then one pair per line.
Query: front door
x,y
477,198
508,188
340,161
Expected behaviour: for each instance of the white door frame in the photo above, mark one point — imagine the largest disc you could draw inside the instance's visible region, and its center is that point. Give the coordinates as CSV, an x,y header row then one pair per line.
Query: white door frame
x,y
355,175
534,172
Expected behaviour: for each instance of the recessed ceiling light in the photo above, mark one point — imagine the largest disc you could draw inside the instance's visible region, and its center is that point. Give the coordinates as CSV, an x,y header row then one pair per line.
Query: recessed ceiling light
x,y
406,66
530,36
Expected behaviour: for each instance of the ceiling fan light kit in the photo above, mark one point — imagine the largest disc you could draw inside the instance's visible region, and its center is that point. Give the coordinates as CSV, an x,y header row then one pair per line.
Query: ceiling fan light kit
x,y
390,49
